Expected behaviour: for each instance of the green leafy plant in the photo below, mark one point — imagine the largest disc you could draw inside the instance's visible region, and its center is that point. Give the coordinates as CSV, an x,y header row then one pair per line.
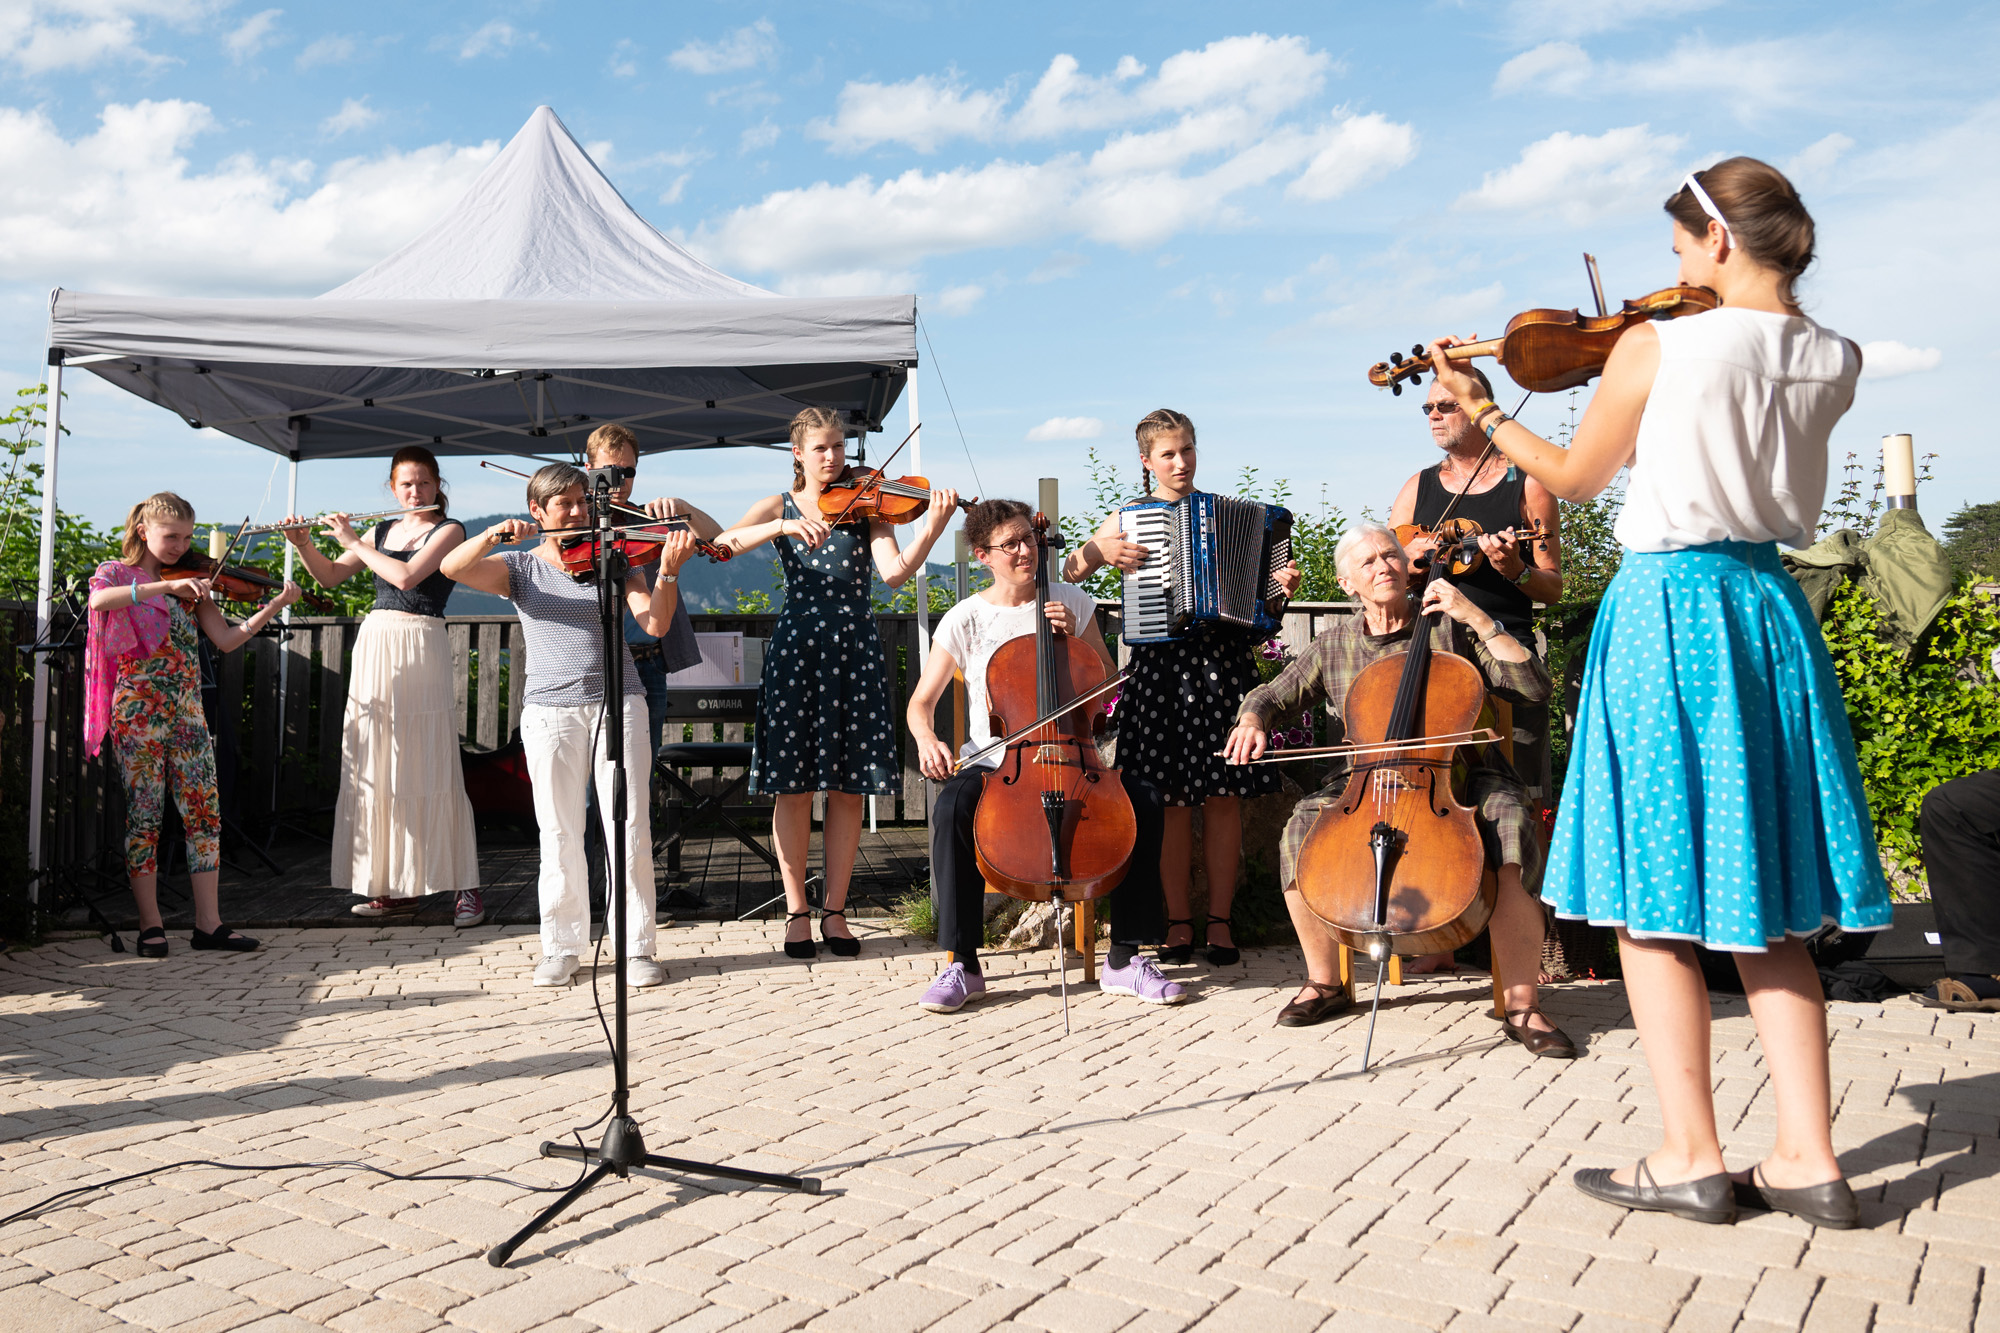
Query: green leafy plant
x,y
1972,539
915,913
1920,723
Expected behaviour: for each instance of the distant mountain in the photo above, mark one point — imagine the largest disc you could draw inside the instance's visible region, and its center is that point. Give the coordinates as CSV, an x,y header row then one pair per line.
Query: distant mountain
x,y
706,585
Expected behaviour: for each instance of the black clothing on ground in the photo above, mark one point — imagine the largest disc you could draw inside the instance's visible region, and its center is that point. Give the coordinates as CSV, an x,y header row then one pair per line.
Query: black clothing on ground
x,y
1138,908
1960,825
1494,510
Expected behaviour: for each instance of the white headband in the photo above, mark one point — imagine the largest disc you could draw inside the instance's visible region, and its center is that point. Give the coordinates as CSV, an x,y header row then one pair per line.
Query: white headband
x,y
1708,207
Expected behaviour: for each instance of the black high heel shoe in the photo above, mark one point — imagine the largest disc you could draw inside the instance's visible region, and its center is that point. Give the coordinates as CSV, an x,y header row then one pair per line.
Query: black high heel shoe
x,y
839,946
1223,955
153,942
1178,953
804,948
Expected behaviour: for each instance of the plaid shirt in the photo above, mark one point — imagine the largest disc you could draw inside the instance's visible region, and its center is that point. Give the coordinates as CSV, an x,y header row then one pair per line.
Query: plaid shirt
x,y
1323,673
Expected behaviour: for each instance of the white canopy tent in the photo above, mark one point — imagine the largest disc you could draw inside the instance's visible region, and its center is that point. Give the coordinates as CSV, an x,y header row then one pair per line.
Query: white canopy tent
x,y
539,308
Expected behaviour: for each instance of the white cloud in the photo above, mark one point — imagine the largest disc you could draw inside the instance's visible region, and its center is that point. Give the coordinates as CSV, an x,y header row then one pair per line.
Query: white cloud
x,y
672,194
1357,150
330,50
253,35
136,217
496,37
1580,177
1552,67
624,61
745,48
1889,360
960,300
42,36
1068,428
354,114
1259,76
1817,159
758,137
1058,265
1534,18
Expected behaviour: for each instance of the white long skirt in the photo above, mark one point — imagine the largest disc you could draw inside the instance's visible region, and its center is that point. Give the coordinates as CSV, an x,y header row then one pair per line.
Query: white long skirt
x,y
402,826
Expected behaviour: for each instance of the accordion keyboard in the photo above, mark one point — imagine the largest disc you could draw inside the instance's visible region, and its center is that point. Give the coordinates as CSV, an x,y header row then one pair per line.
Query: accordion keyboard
x,y
1148,590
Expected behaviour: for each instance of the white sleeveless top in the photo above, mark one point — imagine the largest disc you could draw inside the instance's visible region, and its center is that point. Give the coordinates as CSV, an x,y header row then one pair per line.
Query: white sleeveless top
x,y
1733,441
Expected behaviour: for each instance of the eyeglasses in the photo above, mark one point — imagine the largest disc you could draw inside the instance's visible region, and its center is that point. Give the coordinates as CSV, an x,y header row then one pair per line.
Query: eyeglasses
x,y
1443,407
1025,542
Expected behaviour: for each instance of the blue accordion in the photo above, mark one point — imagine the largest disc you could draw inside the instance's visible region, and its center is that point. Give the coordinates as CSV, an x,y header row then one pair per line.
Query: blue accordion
x,y
1210,558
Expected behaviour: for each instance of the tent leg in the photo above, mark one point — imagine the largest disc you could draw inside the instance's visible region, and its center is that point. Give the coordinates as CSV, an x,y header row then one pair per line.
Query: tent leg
x,y
284,654
923,583
45,578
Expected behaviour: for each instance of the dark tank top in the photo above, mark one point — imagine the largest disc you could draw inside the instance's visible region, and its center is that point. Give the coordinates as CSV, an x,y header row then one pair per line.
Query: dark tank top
x,y
427,598
1494,511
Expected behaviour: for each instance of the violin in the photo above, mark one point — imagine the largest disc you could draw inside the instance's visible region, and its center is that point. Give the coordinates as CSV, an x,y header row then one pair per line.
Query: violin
x,y
235,583
579,551
863,493
1053,824
1460,537
1548,350
1397,866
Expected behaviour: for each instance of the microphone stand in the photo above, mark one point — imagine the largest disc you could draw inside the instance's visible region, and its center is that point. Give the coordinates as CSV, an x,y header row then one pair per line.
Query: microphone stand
x,y
622,1147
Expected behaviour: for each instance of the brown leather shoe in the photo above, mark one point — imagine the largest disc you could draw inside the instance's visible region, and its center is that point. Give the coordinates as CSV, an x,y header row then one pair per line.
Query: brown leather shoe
x,y
1555,1043
1329,998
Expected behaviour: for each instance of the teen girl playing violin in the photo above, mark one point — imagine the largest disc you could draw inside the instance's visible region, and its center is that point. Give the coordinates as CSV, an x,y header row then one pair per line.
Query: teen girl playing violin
x,y
402,826
143,687
1177,708
1713,795
823,718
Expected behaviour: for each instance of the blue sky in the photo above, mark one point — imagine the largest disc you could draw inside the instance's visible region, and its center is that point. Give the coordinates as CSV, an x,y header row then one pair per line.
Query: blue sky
x,y
1231,210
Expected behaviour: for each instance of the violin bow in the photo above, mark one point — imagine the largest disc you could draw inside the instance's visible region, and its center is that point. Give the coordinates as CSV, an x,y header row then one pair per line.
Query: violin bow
x,y
1038,723
862,488
1373,747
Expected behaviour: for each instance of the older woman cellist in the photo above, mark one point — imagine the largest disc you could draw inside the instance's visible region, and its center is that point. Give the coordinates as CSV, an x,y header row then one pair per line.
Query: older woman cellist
x,y
1374,569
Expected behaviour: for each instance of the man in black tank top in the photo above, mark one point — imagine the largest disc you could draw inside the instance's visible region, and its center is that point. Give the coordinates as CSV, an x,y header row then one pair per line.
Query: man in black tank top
x,y
1515,575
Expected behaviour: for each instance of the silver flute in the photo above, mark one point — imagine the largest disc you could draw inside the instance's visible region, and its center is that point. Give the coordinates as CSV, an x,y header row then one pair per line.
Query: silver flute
x,y
314,522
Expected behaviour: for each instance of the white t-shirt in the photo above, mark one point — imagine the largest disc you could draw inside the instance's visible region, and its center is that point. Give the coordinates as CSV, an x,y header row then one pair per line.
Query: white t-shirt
x,y
973,631
1733,441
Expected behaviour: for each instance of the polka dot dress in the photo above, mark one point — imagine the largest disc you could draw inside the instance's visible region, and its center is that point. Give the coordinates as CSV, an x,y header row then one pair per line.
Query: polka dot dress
x,y
1176,711
823,721
1713,793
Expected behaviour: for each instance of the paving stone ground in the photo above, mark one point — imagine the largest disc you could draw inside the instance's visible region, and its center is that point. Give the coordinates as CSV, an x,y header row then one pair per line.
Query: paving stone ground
x,y
1153,1170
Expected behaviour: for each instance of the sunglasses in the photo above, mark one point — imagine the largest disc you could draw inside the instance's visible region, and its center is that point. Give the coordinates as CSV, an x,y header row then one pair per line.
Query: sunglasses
x,y
1443,407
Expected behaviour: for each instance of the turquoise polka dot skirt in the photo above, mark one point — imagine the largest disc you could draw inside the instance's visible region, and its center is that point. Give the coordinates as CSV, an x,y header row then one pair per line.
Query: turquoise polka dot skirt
x,y
1712,792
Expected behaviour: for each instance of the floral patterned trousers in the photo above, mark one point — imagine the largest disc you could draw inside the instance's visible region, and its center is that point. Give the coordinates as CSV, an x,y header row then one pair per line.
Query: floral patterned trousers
x,y
159,741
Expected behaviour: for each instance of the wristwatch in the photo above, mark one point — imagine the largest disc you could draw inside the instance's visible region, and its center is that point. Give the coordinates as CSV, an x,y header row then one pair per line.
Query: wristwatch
x,y
670,578
1527,572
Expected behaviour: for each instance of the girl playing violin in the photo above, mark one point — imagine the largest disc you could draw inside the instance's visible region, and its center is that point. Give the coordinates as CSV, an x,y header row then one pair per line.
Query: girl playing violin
x,y
562,713
402,826
1713,795
1003,539
143,687
1175,711
823,717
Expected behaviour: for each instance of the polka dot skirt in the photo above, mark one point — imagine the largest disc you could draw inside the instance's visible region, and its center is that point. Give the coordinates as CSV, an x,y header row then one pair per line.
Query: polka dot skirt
x,y
1713,793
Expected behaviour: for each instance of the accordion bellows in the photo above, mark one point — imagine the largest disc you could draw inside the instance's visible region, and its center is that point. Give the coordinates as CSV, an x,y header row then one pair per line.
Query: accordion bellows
x,y
1211,558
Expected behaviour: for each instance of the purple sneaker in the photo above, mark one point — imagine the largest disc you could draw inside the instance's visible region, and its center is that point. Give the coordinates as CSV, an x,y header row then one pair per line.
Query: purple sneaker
x,y
1141,978
953,990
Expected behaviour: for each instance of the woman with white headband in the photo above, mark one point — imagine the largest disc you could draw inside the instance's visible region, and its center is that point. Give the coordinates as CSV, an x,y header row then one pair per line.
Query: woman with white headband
x,y
1713,796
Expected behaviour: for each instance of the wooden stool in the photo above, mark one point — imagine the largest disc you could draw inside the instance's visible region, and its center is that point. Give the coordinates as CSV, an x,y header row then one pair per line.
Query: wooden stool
x,y
1085,914
1396,973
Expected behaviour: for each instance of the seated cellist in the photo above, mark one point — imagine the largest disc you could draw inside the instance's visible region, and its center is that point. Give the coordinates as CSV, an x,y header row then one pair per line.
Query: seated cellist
x,y
1374,570
1002,537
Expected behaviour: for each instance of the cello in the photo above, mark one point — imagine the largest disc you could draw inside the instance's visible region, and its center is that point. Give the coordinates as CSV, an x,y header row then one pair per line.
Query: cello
x,y
1054,824
1397,866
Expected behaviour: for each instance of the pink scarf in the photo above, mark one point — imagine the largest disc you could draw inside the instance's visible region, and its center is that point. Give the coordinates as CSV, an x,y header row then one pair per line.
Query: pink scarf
x,y
116,634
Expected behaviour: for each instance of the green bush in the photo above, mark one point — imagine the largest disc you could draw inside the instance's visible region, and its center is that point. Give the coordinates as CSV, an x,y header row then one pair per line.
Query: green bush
x,y
1917,723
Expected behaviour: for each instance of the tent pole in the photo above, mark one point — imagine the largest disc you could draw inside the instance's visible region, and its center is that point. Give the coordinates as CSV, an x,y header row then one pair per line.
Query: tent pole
x,y
45,578
923,581
284,653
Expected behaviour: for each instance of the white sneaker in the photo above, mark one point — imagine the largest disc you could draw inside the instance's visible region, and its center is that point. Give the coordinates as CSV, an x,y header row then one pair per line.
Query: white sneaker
x,y
556,969
381,907
643,972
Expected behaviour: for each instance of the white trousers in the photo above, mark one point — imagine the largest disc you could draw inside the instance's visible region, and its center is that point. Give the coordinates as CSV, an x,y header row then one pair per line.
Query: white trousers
x,y
561,745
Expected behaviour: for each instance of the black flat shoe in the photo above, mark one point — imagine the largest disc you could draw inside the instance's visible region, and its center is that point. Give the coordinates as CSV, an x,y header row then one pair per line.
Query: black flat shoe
x,y
1711,1199
840,946
1554,1044
804,948
1177,953
1223,955
222,937
153,942
1328,999
1831,1205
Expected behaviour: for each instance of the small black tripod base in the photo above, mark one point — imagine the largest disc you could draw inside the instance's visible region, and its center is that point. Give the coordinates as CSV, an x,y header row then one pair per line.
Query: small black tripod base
x,y
621,1150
